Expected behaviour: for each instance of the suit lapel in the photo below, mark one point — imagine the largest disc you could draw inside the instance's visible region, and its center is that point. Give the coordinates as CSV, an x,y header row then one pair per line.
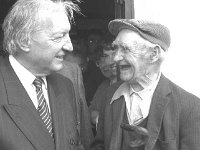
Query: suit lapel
x,y
22,111
156,113
118,109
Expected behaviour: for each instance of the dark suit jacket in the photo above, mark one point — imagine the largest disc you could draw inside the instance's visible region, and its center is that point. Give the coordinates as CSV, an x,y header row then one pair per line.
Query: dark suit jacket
x,y
173,121
21,128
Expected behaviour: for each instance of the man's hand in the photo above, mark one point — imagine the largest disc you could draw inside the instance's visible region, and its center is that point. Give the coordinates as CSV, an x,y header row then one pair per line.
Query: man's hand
x,y
141,134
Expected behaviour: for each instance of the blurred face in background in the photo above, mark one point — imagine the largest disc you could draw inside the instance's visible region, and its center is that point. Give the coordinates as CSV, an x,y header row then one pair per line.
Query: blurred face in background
x,y
107,65
92,42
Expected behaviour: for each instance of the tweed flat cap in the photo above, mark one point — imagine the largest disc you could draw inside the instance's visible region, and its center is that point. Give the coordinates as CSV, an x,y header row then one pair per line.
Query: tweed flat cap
x,y
153,32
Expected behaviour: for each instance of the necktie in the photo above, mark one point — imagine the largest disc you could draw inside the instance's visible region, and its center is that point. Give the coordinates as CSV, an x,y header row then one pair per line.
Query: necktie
x,y
43,108
136,113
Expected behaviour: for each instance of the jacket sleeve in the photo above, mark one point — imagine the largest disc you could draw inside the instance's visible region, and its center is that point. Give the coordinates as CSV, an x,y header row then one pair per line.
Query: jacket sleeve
x,y
190,126
83,113
98,142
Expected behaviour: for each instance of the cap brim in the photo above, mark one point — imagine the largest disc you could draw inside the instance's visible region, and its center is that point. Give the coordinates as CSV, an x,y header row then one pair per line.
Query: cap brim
x,y
116,26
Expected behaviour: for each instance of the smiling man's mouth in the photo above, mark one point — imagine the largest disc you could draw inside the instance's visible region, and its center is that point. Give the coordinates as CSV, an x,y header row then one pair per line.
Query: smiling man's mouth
x,y
124,67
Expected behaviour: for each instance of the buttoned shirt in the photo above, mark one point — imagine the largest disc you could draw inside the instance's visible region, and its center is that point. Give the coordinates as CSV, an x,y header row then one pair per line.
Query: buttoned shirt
x,y
144,97
27,78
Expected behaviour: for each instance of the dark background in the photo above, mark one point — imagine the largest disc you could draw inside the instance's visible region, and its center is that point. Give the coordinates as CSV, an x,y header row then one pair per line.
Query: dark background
x,y
96,13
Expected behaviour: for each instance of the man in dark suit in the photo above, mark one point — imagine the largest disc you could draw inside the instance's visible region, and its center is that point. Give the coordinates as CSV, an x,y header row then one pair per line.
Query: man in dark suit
x,y
37,106
146,111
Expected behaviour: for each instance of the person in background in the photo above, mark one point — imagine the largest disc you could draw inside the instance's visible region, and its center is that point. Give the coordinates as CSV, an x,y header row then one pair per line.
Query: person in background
x,y
77,58
74,64
37,105
104,60
94,38
79,55
146,111
92,77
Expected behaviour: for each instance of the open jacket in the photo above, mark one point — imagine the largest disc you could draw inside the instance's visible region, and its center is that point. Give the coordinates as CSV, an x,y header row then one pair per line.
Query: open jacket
x,y
173,120
21,128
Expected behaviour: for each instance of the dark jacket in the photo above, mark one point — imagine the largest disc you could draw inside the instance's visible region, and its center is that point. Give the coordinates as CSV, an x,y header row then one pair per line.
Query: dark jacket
x,y
21,128
173,120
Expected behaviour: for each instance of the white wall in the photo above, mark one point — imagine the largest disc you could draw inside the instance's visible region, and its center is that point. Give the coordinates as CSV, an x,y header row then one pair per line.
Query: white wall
x,y
182,17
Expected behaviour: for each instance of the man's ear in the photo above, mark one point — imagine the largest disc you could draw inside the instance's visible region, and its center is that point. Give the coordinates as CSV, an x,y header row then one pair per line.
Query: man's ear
x,y
24,44
155,53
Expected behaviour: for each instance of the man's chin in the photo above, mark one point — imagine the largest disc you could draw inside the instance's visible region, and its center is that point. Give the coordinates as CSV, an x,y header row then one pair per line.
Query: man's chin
x,y
125,77
57,68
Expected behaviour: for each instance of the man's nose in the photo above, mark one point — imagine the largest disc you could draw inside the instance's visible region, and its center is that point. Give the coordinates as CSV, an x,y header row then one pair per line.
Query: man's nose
x,y
67,45
117,56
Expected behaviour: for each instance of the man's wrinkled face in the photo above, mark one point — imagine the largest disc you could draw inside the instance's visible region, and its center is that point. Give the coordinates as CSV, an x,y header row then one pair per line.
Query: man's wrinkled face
x,y
130,55
107,65
48,46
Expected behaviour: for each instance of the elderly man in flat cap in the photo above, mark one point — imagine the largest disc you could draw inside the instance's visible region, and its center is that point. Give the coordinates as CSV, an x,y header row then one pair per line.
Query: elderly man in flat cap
x,y
146,111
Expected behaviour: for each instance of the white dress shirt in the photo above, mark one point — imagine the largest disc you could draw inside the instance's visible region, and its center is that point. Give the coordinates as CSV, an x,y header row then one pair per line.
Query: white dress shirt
x,y
27,78
143,97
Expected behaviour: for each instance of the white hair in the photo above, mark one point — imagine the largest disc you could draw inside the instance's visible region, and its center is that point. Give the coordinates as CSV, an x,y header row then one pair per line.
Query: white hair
x,y
25,15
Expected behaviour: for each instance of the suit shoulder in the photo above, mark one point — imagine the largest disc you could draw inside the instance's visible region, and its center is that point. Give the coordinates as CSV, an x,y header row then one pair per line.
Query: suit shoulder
x,y
60,79
186,100
182,93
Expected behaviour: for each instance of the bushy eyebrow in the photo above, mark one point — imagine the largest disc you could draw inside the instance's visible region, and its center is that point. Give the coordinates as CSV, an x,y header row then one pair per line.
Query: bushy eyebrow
x,y
60,32
122,45
133,47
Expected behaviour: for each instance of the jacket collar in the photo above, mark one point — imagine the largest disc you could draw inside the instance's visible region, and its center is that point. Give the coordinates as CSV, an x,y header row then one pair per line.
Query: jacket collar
x,y
125,90
158,107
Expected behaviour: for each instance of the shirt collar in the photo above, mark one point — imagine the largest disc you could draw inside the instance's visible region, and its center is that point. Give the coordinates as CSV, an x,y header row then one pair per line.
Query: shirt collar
x,y
125,89
148,90
24,75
